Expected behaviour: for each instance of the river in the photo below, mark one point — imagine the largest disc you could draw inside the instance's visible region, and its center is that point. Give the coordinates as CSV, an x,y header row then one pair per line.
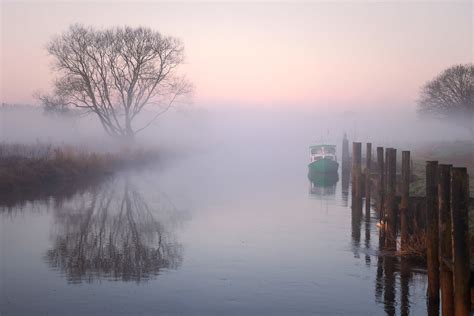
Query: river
x,y
218,233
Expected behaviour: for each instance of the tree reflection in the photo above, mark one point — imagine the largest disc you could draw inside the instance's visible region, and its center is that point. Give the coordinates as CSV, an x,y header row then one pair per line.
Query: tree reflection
x,y
112,234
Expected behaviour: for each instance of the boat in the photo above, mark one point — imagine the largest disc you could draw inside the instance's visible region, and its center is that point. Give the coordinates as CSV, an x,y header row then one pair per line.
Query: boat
x,y
324,183
324,180
323,160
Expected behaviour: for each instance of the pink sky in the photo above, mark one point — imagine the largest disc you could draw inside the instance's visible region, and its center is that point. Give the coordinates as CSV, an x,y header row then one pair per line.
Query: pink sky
x,y
324,54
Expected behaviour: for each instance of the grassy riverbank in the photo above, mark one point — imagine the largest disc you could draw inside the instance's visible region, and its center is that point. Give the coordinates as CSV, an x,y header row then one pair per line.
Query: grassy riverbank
x,y
456,153
30,167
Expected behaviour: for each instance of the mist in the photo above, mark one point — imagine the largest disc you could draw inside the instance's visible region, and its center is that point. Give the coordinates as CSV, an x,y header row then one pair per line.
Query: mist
x,y
295,158
281,130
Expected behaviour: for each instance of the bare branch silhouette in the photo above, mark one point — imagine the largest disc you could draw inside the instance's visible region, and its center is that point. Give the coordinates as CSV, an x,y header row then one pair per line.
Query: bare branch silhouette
x,y
115,73
450,95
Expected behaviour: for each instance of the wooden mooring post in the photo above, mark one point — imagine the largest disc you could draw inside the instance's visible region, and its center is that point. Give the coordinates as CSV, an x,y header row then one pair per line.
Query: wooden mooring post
x,y
390,205
380,182
442,216
445,241
345,155
356,170
405,191
460,235
432,235
356,198
387,150
368,166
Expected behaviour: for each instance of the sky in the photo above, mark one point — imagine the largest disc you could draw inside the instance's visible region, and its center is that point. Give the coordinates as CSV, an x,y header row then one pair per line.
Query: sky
x,y
345,55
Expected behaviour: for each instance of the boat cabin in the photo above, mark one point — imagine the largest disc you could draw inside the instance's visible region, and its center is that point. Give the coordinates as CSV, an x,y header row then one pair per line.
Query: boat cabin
x,y
318,152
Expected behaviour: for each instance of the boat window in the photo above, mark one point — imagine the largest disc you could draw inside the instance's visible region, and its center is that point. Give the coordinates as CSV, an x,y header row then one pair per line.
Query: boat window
x,y
323,150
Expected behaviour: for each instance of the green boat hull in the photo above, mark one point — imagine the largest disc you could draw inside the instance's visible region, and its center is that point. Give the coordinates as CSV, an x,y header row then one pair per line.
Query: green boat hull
x,y
324,180
323,166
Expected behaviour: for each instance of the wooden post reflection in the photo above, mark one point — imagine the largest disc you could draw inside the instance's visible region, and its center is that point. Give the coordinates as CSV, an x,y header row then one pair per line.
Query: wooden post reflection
x,y
367,237
356,221
379,273
345,187
389,285
405,276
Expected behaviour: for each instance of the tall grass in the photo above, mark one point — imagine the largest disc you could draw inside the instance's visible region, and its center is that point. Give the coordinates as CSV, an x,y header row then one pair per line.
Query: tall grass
x,y
34,165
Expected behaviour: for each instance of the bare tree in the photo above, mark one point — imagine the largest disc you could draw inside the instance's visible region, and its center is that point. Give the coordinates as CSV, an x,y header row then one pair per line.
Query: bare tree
x,y
450,95
115,73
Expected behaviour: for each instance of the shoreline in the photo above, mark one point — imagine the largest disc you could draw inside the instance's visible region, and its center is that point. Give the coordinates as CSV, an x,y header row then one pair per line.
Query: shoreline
x,y
29,172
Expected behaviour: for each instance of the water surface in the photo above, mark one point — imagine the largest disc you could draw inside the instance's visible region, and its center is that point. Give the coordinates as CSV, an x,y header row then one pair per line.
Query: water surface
x,y
219,233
